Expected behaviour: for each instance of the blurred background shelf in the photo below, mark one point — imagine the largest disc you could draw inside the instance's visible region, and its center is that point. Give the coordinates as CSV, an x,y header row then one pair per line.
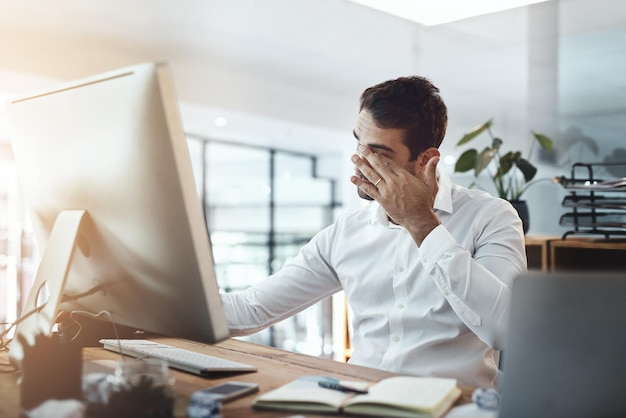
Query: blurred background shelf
x,y
596,206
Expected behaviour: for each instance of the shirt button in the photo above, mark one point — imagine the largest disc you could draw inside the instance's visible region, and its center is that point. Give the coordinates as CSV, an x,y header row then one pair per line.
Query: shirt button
x,y
401,269
425,259
400,306
396,339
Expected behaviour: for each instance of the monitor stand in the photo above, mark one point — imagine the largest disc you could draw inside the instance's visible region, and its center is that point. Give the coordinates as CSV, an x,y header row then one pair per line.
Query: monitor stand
x,y
53,270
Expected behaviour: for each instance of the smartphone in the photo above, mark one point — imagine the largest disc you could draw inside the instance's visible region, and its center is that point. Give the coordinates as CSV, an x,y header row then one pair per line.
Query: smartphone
x,y
231,390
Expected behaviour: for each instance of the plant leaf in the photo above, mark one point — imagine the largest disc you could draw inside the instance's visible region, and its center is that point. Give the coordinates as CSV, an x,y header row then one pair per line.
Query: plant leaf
x,y
506,162
475,132
545,142
482,160
466,161
527,169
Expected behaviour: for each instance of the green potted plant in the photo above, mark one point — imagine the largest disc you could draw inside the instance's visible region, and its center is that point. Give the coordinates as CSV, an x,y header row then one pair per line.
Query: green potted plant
x,y
511,173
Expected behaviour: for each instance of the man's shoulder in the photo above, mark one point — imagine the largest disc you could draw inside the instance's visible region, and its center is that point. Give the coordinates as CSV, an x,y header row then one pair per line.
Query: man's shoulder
x,y
365,212
347,225
356,218
463,196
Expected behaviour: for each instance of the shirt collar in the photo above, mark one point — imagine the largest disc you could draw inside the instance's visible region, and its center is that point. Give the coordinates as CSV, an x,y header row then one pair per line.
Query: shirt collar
x,y
443,200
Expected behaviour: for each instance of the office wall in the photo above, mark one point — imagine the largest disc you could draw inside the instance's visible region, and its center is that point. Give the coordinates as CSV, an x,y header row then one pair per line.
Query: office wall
x,y
289,73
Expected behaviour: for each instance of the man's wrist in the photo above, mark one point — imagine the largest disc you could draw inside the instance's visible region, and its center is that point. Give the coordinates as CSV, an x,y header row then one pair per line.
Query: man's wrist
x,y
420,231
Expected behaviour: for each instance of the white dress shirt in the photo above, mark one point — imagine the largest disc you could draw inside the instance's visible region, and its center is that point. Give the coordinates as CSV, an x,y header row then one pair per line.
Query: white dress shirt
x,y
435,310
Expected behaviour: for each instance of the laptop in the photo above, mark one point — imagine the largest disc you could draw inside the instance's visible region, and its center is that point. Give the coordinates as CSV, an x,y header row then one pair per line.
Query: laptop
x,y
565,353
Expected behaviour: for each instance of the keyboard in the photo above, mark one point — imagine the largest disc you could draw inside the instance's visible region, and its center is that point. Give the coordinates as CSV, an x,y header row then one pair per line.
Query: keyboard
x,y
177,358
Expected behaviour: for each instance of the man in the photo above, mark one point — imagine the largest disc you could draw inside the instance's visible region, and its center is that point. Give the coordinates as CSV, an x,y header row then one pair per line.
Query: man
x,y
426,268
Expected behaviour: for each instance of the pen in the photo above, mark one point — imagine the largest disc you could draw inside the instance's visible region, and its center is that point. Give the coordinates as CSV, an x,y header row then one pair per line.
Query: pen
x,y
342,388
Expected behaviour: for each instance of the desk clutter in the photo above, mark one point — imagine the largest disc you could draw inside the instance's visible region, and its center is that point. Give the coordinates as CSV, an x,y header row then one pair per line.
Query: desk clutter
x,y
54,384
103,379
137,388
596,206
38,371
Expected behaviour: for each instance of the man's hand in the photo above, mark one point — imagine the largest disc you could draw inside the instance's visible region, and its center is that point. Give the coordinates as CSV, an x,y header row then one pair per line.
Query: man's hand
x,y
408,199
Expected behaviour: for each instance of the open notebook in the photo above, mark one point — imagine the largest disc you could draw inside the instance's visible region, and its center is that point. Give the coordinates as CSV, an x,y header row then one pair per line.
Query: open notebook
x,y
565,355
399,397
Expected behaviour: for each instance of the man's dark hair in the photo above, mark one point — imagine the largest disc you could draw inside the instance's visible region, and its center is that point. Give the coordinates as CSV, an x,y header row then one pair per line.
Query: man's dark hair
x,y
409,103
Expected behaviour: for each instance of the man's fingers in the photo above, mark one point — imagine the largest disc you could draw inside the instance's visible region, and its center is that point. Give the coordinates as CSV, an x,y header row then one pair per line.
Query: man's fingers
x,y
364,170
380,164
366,186
385,166
430,173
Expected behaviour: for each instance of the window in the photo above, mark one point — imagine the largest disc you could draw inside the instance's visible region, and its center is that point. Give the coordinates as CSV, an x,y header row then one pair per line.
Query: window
x,y
261,205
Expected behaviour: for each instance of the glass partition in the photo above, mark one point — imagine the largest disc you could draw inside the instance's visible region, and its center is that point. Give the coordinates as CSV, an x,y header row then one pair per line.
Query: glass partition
x,y
262,205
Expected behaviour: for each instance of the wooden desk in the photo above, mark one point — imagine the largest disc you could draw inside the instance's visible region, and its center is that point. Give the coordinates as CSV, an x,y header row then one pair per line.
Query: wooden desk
x,y
538,252
275,368
553,254
579,254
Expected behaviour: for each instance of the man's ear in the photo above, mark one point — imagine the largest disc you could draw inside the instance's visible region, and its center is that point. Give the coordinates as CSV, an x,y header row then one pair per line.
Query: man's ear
x,y
425,156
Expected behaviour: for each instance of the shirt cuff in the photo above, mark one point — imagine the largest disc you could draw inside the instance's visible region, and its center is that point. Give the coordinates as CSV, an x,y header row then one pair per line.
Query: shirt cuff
x,y
436,244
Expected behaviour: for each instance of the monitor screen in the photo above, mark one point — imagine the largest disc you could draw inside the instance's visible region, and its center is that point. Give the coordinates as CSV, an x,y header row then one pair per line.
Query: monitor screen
x,y
112,148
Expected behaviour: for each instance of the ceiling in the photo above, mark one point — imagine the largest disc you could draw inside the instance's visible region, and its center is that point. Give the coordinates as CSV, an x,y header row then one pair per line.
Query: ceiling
x,y
289,73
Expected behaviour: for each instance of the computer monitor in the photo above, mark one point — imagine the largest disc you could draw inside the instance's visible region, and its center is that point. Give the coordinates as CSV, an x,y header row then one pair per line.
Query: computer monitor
x,y
106,173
